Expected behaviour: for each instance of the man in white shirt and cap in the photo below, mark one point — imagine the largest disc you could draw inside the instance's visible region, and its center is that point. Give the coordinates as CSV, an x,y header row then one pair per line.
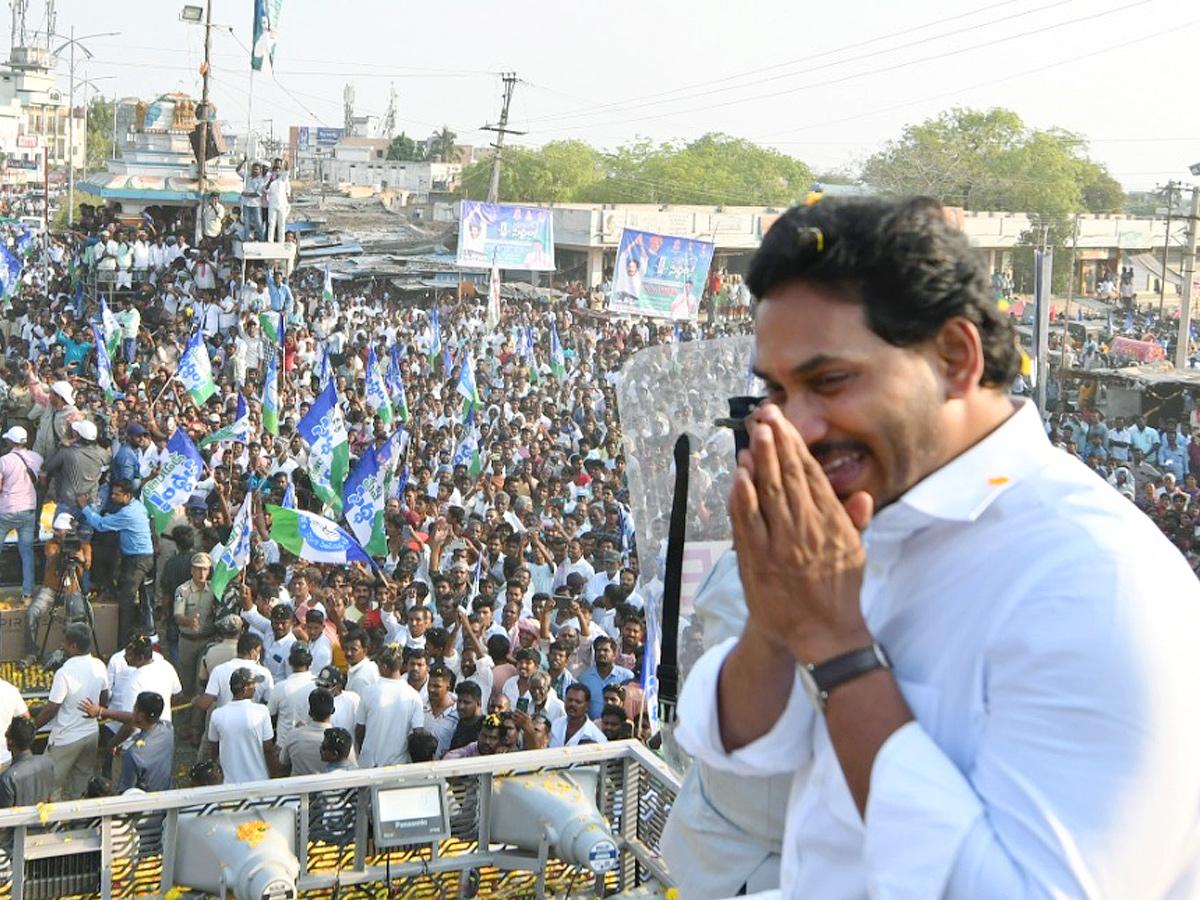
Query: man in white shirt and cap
x,y
957,725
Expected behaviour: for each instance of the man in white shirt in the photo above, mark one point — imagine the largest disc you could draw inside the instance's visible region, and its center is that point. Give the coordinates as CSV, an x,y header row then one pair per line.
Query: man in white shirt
x,y
73,736
576,727
289,700
241,731
956,726
388,713
363,672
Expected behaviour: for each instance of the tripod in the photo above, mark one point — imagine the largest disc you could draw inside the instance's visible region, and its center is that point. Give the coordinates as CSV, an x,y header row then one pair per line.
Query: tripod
x,y
70,576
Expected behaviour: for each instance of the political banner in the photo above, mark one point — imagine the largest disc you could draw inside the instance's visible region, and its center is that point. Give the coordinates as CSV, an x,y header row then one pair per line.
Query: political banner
x,y
492,235
659,275
314,538
266,26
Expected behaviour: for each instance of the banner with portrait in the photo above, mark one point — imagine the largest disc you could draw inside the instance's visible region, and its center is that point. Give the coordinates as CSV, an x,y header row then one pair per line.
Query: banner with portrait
x,y
507,237
659,275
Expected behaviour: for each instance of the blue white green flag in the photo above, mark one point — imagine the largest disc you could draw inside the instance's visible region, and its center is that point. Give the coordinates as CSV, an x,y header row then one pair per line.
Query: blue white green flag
x,y
111,328
467,453
231,557
329,447
558,360
273,326
377,393
270,395
314,538
363,502
104,367
327,289
467,386
237,430
175,482
395,384
195,370
435,340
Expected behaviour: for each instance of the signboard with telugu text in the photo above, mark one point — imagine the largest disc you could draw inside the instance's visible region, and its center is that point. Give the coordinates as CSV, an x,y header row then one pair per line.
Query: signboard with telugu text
x,y
659,275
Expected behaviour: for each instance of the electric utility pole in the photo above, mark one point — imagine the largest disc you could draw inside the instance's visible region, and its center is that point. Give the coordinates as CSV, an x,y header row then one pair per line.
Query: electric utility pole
x,y
510,84
1189,272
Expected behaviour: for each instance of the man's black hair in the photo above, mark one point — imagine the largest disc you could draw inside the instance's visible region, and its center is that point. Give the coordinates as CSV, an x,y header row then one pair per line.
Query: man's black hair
x,y
903,260
247,642
422,745
320,705
470,689
20,733
150,705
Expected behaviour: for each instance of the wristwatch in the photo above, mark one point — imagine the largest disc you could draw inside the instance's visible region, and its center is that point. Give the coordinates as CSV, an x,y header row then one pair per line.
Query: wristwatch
x,y
821,678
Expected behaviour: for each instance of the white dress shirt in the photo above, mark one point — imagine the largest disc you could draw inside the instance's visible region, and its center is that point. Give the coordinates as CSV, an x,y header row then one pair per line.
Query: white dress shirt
x,y
1056,747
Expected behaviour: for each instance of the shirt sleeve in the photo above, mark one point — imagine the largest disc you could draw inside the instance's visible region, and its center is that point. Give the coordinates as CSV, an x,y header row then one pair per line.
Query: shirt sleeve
x,y
1081,785
787,747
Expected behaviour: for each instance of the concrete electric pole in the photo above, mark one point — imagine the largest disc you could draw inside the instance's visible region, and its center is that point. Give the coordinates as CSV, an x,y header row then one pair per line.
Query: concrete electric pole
x,y
1189,273
510,84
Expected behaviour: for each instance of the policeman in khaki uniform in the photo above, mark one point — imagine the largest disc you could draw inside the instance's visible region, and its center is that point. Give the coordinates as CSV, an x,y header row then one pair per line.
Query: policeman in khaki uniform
x,y
194,609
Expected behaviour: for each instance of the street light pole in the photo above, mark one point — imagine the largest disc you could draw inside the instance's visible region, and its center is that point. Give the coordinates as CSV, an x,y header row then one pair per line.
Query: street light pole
x,y
202,158
72,42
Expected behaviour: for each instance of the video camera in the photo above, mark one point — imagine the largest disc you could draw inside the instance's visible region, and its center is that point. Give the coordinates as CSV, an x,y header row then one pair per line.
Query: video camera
x,y
72,547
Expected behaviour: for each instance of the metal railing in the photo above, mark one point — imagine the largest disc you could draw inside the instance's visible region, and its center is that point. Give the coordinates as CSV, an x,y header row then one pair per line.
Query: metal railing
x,y
125,846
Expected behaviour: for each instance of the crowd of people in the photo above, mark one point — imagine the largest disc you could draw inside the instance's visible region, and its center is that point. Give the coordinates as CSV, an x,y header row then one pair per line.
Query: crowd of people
x,y
506,610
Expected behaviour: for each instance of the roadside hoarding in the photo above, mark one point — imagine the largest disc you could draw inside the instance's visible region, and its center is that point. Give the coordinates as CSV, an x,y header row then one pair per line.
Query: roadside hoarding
x,y
659,275
511,237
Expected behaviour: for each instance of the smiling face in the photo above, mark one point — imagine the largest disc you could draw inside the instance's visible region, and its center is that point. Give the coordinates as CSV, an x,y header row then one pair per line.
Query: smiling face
x,y
869,412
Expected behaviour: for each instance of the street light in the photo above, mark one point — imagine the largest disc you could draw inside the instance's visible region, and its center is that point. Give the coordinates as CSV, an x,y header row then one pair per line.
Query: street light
x,y
91,83
74,42
196,16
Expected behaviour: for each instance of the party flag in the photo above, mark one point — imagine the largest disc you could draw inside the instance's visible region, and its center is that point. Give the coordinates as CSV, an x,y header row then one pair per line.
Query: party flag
x,y
329,447
363,501
377,393
238,430
104,368
231,557
195,370
558,360
176,481
314,538
327,290
270,395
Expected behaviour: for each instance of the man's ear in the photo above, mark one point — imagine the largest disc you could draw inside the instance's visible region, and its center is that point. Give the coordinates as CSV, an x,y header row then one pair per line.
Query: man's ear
x,y
958,352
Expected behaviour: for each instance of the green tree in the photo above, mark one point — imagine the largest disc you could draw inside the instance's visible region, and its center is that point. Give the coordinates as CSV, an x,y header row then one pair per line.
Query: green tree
x,y
559,172
403,148
715,169
100,114
441,145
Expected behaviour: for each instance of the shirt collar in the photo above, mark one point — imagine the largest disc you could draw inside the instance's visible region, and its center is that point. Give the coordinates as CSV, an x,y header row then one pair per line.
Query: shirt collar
x,y
962,489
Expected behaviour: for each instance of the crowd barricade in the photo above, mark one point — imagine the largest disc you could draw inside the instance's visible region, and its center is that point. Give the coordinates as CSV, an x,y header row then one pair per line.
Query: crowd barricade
x,y
127,846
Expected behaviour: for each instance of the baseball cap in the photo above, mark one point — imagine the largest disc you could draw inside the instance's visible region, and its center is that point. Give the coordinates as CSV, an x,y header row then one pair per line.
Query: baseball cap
x,y
135,430
331,676
243,677
197,503
64,390
85,429
16,434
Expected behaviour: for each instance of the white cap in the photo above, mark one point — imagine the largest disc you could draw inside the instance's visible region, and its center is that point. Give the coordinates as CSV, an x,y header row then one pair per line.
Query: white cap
x,y
64,390
85,430
64,522
16,434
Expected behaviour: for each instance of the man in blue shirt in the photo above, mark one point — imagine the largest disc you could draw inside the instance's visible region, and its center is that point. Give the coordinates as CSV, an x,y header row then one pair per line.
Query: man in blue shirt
x,y
126,465
132,525
603,672
282,299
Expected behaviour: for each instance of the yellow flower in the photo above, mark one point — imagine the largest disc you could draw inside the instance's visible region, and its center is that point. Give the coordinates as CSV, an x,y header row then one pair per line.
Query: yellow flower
x,y
253,832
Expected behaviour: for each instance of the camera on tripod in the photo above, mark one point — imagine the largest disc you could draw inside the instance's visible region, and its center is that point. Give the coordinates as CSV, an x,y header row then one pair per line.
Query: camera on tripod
x,y
72,547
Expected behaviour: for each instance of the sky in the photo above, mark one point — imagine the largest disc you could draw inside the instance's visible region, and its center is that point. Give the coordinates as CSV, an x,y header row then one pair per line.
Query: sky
x,y
827,83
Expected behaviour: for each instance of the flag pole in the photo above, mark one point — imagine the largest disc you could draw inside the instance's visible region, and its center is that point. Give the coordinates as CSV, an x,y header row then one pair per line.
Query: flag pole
x,y
163,391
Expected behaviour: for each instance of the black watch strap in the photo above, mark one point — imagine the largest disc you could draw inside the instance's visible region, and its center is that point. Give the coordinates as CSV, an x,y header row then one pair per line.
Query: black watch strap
x,y
837,671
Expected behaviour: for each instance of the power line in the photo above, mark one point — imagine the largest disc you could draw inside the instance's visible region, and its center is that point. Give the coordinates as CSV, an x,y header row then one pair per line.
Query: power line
x,y
959,91
669,98
851,77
